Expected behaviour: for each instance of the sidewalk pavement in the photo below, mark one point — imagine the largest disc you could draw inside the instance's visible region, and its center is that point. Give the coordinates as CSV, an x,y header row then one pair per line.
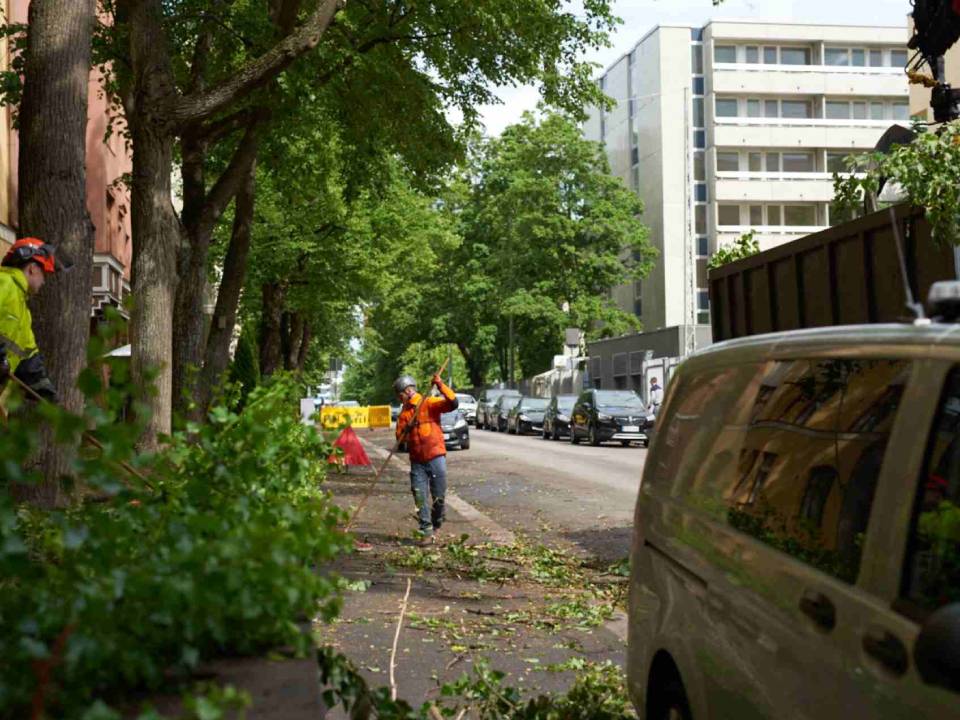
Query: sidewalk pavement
x,y
455,614
453,617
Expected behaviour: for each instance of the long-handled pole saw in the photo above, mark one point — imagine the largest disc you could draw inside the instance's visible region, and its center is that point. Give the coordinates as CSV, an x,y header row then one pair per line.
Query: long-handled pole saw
x,y
86,436
393,451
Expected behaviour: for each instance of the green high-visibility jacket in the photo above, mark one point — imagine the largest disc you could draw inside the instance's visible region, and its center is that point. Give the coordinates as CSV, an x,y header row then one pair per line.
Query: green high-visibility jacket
x,y
16,323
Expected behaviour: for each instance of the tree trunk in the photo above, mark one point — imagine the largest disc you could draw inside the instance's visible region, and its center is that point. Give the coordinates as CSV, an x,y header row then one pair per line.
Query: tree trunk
x,y
304,346
156,229
271,312
201,213
477,373
217,354
52,202
294,339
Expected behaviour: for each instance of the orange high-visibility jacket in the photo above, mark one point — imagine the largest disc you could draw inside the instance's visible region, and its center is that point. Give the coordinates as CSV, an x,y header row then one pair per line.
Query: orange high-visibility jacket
x,y
425,440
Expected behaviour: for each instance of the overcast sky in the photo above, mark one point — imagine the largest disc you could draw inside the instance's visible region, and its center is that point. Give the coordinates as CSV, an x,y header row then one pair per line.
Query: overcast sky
x,y
639,16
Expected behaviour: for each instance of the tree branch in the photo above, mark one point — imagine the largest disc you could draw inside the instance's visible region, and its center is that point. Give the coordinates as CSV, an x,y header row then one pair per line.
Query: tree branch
x,y
199,106
214,131
229,183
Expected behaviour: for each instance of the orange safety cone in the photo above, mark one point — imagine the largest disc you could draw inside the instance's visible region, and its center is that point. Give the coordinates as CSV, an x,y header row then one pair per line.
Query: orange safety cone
x,y
353,452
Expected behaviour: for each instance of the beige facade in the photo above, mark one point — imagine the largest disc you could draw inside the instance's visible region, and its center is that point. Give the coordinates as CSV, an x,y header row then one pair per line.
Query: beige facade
x,y
738,127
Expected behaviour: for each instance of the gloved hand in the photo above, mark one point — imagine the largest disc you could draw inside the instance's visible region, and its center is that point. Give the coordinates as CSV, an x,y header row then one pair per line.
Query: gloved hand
x,y
32,373
437,380
45,389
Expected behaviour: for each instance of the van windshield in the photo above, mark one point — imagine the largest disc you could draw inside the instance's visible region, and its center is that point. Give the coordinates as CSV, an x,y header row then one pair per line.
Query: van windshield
x,y
534,404
619,399
565,403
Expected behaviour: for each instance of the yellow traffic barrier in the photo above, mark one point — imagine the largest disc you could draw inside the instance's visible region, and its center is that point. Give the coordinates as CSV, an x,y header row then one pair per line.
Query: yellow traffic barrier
x,y
374,416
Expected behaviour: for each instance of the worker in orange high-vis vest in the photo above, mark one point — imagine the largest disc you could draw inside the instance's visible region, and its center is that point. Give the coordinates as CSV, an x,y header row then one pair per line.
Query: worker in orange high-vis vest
x,y
428,452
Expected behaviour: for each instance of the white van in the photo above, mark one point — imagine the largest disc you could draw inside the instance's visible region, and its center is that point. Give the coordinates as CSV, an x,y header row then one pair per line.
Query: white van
x,y
797,538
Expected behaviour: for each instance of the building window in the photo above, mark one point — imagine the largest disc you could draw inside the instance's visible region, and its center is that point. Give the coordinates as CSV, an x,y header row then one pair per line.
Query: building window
x,y
876,58
836,56
698,86
703,300
726,107
756,215
837,110
696,59
796,109
770,56
703,246
698,120
701,192
898,58
876,111
754,108
755,162
699,167
836,162
859,111
728,162
725,53
703,318
858,57
794,56
901,111
773,215
773,162
771,108
700,219
752,54
696,34
798,162
803,215
700,139
728,215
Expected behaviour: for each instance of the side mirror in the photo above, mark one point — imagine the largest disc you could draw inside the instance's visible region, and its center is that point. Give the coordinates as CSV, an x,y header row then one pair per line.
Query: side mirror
x,y
937,650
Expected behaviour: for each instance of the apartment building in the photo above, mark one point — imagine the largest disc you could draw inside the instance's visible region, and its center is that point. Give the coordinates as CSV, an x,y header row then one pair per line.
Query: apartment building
x,y
736,127
107,201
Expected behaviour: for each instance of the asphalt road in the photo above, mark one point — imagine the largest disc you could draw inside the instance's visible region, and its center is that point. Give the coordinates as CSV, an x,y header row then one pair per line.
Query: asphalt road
x,y
583,494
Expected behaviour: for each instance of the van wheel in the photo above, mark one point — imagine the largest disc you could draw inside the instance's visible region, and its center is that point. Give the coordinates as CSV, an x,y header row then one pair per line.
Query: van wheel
x,y
669,702
464,444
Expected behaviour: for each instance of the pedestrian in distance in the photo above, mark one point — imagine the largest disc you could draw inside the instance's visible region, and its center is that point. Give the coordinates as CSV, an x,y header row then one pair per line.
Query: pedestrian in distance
x,y
23,271
428,452
655,397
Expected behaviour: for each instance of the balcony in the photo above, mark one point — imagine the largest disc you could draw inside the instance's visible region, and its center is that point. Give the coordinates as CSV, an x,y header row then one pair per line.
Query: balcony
x,y
809,133
768,236
773,186
737,78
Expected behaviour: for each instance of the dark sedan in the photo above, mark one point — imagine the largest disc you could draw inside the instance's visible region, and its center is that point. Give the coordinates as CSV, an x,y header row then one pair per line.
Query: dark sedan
x,y
526,416
456,431
602,415
497,417
485,416
556,420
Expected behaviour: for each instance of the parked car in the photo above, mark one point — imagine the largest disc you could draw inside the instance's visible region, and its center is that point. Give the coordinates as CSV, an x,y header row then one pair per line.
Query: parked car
x,y
456,431
603,415
790,558
526,416
468,404
485,406
500,410
556,419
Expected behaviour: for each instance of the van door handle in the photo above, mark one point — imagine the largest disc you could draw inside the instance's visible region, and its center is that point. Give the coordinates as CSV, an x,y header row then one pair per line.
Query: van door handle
x,y
887,649
819,608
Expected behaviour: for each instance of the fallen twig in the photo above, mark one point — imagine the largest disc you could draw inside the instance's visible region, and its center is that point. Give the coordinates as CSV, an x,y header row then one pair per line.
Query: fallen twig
x,y
396,639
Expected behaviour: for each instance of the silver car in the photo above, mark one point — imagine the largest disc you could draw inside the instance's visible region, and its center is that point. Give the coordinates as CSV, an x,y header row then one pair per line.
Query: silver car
x,y
797,537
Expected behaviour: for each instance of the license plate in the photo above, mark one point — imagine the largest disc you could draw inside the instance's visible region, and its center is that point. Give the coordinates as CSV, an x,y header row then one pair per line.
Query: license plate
x,y
447,436
630,428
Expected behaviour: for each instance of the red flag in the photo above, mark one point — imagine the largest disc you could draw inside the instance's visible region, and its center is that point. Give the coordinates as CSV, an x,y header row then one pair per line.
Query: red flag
x,y
353,452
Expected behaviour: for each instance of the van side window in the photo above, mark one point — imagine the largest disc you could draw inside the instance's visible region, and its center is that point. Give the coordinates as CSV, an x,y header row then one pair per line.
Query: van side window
x,y
702,399
931,576
810,453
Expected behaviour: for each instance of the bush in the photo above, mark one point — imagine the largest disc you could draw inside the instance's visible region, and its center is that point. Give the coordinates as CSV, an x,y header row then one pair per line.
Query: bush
x,y
218,555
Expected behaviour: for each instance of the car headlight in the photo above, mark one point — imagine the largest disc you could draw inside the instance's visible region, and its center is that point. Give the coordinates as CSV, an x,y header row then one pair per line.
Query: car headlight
x,y
524,418
461,423
604,416
563,418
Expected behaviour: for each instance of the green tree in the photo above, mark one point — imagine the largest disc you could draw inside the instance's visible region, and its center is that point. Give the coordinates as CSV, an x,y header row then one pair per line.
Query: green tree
x,y
547,231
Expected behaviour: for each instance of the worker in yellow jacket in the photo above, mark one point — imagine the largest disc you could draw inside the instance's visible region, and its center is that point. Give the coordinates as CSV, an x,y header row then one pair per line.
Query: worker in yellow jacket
x,y
22,273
